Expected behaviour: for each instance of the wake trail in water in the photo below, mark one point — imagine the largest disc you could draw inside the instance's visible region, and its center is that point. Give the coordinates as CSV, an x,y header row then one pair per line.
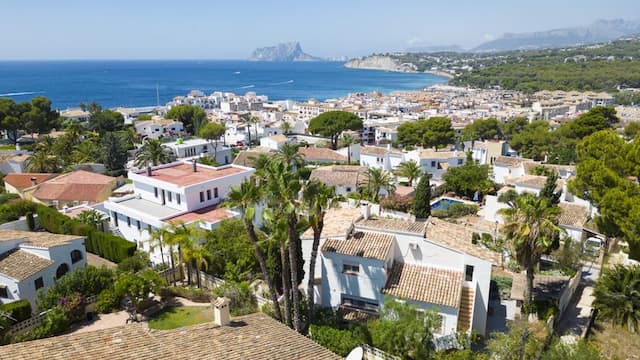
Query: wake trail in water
x,y
247,87
22,93
282,83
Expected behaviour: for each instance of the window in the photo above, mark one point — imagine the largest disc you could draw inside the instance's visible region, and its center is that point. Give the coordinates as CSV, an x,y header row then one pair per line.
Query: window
x,y
62,269
359,304
4,292
460,161
208,194
128,221
39,283
138,224
178,198
215,193
348,189
468,273
169,196
115,218
76,255
433,164
350,269
201,196
155,191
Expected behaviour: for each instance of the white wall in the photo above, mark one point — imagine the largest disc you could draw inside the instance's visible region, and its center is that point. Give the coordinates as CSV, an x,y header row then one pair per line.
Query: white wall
x,y
480,284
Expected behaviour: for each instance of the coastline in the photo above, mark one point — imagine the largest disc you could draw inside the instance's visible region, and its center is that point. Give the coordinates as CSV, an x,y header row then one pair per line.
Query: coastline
x,y
397,69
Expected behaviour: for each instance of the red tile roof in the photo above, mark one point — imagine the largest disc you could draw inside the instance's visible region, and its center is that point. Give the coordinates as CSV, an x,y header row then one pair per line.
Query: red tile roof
x,y
79,185
425,284
182,174
21,181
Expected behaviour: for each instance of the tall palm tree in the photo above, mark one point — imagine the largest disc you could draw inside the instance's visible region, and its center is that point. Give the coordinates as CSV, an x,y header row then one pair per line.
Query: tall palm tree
x,y
617,296
410,170
245,197
277,229
376,179
175,236
42,161
249,119
153,152
290,156
131,136
530,228
317,198
285,127
195,255
282,185
348,140
85,152
156,240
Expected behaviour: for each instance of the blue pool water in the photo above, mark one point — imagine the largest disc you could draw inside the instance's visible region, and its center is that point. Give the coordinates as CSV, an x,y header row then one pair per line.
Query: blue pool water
x,y
444,204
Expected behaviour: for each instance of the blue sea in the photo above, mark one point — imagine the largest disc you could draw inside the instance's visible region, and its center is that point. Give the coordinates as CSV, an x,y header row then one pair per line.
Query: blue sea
x,y
133,83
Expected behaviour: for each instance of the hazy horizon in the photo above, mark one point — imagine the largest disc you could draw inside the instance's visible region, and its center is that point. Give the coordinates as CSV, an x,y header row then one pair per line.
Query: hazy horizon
x,y
201,30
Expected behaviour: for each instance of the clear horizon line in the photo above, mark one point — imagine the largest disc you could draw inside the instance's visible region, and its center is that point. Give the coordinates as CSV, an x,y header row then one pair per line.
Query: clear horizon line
x,y
156,59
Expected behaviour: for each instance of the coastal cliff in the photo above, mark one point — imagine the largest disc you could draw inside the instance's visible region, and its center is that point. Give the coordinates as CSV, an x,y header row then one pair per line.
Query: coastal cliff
x,y
380,62
291,51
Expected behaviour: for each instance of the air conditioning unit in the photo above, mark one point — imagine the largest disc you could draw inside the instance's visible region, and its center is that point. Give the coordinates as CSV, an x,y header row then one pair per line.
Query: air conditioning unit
x,y
413,245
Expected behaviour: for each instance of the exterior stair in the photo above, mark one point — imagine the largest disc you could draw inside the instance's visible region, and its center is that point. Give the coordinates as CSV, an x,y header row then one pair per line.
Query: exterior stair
x,y
466,309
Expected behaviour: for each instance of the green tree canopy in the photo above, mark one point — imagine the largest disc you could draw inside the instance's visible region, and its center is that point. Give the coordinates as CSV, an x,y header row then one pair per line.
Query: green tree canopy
x,y
113,153
422,200
191,116
153,152
103,121
438,133
465,180
482,129
617,296
533,141
332,123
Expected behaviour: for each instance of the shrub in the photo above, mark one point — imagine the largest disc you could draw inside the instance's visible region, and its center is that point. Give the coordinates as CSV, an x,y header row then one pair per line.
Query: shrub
x,y
74,305
396,202
5,198
139,261
339,341
19,310
475,237
242,300
86,281
31,222
107,301
501,285
13,210
191,293
54,323
108,246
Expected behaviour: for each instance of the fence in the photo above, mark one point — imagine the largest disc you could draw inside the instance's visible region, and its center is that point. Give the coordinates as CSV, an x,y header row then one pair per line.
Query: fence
x,y
210,282
171,275
372,353
35,321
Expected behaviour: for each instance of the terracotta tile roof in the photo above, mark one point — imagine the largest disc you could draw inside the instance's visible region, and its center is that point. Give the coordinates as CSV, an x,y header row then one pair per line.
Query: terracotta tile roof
x,y
210,214
78,185
458,237
415,227
534,181
255,336
510,161
362,244
339,175
182,174
37,239
246,157
21,181
19,264
573,215
378,150
425,284
321,154
337,222
442,154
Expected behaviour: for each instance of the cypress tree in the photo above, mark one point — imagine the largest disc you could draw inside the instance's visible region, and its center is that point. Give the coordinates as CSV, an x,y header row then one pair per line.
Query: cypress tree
x,y
422,200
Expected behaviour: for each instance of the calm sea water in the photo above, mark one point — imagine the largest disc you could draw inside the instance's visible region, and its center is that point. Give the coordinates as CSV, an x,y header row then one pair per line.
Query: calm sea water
x,y
133,83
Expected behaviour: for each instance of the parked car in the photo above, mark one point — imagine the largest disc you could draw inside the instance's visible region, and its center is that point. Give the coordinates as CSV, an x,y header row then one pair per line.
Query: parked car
x,y
592,246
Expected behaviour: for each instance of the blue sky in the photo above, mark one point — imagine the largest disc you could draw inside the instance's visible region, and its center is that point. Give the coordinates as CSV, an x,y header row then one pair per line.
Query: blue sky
x,y
142,29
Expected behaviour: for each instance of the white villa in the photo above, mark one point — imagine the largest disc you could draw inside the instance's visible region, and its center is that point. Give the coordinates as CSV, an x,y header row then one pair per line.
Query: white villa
x,y
158,127
189,149
179,192
30,261
436,163
432,265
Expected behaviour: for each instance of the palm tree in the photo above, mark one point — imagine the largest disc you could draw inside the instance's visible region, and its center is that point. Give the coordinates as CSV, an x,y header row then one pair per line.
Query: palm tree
x,y
285,127
617,296
376,179
42,161
175,236
152,152
249,119
348,140
85,152
195,255
131,137
91,218
317,198
277,228
245,197
156,241
530,228
289,155
410,170
282,185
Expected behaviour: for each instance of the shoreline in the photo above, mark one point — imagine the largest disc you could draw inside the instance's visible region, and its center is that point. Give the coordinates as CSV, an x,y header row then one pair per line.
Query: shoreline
x,y
432,72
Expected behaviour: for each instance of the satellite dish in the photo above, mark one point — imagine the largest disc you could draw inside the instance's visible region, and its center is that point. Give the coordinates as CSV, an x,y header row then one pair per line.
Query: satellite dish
x,y
355,354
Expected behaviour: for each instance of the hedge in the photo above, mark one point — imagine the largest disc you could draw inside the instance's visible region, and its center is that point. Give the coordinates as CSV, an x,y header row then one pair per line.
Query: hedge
x,y
106,245
19,310
13,210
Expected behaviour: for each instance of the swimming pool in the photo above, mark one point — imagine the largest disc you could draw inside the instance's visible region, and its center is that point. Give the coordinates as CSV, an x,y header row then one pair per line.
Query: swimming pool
x,y
444,204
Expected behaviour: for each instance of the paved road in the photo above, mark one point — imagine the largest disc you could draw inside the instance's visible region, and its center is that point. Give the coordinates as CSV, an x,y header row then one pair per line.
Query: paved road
x,y
576,316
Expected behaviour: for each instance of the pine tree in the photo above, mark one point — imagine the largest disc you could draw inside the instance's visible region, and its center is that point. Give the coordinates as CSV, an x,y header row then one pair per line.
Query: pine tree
x,y
422,200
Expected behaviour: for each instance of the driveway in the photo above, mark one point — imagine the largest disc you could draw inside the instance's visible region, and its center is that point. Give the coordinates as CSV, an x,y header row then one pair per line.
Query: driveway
x,y
576,316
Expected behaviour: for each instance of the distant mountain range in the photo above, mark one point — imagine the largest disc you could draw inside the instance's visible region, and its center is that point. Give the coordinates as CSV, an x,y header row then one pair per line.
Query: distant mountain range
x,y
599,31
291,51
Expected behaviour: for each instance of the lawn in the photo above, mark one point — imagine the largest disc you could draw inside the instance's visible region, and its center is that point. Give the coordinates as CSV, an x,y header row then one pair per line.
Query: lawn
x,y
175,317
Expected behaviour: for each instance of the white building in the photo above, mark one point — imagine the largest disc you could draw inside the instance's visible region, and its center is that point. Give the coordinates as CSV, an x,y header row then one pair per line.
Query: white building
x,y
30,261
158,128
173,193
436,163
275,142
380,157
432,265
192,148
343,178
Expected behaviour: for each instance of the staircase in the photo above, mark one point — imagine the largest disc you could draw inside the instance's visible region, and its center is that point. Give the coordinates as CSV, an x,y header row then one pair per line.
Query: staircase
x,y
466,309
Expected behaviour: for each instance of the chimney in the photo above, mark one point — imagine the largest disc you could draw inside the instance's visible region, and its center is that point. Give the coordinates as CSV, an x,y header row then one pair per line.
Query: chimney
x,y
33,181
366,211
148,170
221,315
194,166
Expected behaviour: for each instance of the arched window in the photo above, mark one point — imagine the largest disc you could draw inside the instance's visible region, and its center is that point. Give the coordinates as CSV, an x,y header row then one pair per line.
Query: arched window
x,y
62,269
76,255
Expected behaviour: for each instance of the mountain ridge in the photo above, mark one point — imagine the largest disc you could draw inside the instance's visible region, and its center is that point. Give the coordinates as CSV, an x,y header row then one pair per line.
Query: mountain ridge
x,y
289,51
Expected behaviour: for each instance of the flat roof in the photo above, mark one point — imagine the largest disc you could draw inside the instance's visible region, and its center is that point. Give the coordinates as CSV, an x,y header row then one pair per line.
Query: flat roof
x,y
210,214
182,174
149,207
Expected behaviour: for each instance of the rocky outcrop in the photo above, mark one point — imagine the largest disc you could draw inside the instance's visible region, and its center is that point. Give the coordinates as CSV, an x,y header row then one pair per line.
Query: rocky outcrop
x,y
380,62
291,51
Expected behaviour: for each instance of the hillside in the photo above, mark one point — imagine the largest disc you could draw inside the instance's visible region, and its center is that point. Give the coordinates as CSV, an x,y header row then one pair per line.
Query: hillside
x,y
291,51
